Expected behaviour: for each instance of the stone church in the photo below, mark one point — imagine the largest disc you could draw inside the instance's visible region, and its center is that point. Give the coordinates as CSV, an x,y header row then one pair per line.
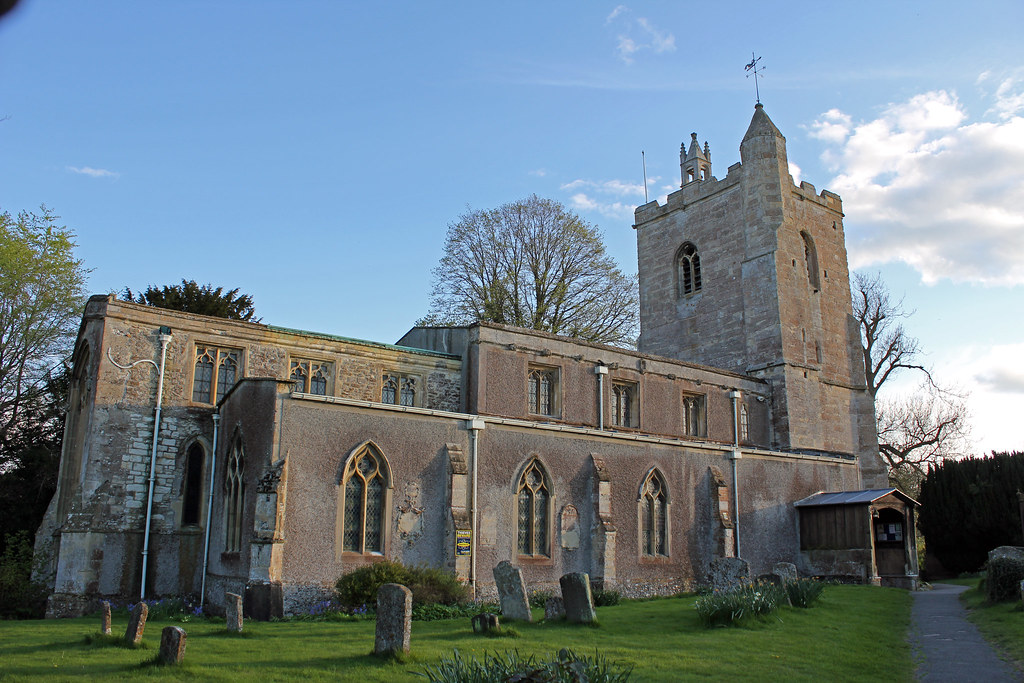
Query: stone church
x,y
205,455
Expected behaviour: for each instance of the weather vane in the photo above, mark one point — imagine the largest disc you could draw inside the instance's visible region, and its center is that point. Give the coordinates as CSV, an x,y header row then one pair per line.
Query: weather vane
x,y
754,70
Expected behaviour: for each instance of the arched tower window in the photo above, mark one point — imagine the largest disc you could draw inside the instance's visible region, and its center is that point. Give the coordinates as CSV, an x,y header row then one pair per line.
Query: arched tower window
x,y
811,261
365,484
744,424
534,505
234,497
688,274
654,515
192,488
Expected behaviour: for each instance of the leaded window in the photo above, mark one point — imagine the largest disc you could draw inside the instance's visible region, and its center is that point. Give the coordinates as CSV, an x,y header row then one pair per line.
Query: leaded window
x,y
654,516
366,483
543,391
688,274
311,376
694,418
234,496
624,403
398,389
534,503
215,372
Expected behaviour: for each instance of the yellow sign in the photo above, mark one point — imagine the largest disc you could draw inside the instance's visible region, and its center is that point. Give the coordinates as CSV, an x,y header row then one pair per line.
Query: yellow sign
x,y
463,541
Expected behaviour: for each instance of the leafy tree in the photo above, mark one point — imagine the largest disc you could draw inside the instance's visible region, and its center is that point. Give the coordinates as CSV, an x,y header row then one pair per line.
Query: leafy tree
x,y
42,287
913,431
533,263
191,297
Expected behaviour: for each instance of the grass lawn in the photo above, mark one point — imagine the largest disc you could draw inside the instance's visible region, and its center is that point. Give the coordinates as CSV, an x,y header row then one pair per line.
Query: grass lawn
x,y
1001,623
854,633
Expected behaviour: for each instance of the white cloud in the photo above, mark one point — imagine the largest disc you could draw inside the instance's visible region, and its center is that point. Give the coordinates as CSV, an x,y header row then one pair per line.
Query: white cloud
x,y
93,172
539,172
614,187
1009,99
638,34
924,185
583,202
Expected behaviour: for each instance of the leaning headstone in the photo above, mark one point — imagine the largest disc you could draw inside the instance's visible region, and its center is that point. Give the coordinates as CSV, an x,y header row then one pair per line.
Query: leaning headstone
x,y
172,645
729,572
554,608
233,611
512,592
105,618
485,622
394,619
576,596
786,571
136,623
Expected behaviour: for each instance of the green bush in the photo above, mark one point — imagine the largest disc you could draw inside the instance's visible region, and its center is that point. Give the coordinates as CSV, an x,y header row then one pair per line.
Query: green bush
x,y
20,598
539,599
740,605
565,667
605,598
804,592
428,585
437,612
1003,579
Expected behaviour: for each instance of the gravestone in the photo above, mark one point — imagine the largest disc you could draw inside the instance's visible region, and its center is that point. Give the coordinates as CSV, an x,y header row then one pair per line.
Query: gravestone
x,y
729,572
1022,593
576,596
554,608
136,624
233,611
105,618
172,645
512,592
485,622
786,571
394,619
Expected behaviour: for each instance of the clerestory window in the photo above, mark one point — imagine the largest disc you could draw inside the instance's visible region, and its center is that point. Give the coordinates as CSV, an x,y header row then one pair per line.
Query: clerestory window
x,y
216,371
542,388
311,376
694,416
534,507
624,404
688,275
398,389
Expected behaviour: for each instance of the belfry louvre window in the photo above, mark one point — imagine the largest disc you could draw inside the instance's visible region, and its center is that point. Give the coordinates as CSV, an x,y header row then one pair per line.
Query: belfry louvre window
x,y
543,391
534,504
234,496
216,371
311,376
624,404
366,483
398,389
688,270
694,417
654,516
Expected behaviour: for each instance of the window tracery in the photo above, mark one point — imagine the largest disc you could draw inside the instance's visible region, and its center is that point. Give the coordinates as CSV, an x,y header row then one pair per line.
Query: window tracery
x,y
688,272
542,387
534,511
311,377
365,485
215,372
654,515
234,497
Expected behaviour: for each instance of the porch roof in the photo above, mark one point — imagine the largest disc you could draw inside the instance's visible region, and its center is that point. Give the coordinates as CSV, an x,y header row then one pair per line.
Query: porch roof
x,y
862,497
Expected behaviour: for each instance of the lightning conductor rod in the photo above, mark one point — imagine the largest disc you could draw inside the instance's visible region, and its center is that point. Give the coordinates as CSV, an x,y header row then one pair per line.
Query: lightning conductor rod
x,y
643,160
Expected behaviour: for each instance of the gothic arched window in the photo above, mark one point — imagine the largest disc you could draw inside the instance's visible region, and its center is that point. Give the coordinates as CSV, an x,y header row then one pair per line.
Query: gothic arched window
x,y
234,497
654,516
534,505
687,270
811,261
365,485
192,487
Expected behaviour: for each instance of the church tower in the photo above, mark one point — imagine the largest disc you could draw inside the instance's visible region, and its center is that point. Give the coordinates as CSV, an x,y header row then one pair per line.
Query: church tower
x,y
749,273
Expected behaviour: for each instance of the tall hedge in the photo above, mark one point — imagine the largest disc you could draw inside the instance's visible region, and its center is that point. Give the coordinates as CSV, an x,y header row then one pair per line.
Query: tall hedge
x,y
969,507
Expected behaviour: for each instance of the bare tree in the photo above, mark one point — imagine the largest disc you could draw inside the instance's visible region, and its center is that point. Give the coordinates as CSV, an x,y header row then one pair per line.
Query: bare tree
x,y
533,263
41,297
916,430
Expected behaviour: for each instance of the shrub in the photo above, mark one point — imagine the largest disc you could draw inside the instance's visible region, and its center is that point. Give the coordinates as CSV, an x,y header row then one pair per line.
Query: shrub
x,y
20,598
605,598
804,592
737,606
437,611
428,585
1004,576
539,599
565,667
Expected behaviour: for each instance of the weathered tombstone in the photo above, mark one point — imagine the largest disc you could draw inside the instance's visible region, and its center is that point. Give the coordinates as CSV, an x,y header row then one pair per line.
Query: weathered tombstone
x,y
554,608
729,572
105,618
512,592
786,571
576,596
172,645
485,622
394,619
233,611
1022,592
136,623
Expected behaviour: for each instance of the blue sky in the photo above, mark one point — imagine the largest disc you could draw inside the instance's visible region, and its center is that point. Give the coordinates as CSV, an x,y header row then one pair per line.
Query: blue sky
x,y
313,153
